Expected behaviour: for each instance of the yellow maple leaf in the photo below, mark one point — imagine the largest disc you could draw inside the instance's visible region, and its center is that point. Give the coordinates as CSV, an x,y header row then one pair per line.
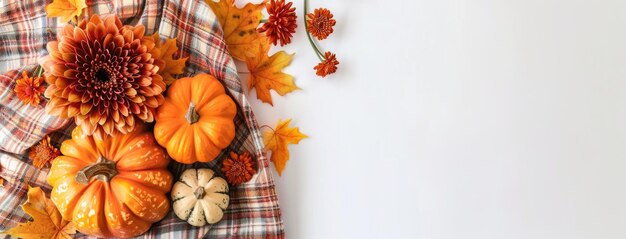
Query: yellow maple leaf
x,y
172,66
47,221
239,25
266,73
277,141
65,9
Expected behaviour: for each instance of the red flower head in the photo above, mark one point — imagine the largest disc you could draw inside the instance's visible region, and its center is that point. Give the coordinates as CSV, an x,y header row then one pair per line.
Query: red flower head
x,y
320,23
328,66
238,168
281,23
104,75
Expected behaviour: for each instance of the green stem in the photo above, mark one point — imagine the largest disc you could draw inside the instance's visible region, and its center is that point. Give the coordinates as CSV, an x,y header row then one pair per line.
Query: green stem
x,y
263,21
39,71
308,34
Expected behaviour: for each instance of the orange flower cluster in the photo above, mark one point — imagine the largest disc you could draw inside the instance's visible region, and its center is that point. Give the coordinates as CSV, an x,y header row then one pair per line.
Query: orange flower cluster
x,y
43,153
29,89
320,24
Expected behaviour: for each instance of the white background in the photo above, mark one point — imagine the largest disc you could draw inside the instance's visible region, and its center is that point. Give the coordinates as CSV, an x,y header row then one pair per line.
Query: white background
x,y
459,119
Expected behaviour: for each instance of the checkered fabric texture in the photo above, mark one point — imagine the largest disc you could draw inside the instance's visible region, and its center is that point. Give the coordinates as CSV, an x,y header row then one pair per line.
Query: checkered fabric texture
x,y
24,31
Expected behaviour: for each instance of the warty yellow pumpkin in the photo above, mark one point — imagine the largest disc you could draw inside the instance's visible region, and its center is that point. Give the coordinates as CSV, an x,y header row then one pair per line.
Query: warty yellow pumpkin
x,y
111,187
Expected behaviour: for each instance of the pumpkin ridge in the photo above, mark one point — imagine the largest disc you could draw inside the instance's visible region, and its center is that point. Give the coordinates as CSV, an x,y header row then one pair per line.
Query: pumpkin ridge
x,y
120,145
120,210
128,175
122,150
200,94
213,175
221,141
123,147
70,148
163,134
155,158
207,205
75,165
186,143
108,194
67,212
221,106
130,197
175,142
182,86
177,199
92,191
168,110
183,182
208,133
103,220
193,178
201,150
192,210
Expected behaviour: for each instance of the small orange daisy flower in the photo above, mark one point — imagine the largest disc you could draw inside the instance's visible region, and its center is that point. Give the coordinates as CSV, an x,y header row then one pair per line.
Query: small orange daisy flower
x,y
43,153
328,66
320,23
29,89
281,23
238,168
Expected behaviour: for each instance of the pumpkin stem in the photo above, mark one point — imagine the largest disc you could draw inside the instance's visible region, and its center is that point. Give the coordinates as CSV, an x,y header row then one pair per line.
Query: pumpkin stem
x,y
103,170
192,115
199,193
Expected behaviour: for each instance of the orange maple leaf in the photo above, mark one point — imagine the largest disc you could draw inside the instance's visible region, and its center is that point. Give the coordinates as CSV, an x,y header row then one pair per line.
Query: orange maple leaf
x,y
172,66
239,25
65,9
277,141
266,73
47,221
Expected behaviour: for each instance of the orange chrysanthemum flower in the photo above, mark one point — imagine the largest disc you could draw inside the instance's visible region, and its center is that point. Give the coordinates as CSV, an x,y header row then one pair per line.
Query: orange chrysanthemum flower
x,y
29,89
281,23
238,168
104,74
320,23
328,66
43,153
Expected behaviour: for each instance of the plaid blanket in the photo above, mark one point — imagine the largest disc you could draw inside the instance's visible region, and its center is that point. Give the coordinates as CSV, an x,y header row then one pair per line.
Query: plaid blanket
x,y
24,32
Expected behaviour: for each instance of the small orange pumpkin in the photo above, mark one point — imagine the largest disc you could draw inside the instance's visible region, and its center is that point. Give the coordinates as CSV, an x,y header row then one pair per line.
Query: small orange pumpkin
x,y
196,121
111,187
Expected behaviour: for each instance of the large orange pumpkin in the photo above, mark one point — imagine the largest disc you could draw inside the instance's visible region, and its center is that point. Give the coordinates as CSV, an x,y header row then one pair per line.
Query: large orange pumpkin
x,y
196,121
111,187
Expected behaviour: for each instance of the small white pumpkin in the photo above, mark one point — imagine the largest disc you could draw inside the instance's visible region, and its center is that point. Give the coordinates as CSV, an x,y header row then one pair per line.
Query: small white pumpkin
x,y
200,197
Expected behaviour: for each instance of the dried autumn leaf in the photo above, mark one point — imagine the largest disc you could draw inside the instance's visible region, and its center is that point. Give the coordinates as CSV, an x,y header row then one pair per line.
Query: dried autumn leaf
x,y
239,26
65,9
266,73
47,221
277,141
172,66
